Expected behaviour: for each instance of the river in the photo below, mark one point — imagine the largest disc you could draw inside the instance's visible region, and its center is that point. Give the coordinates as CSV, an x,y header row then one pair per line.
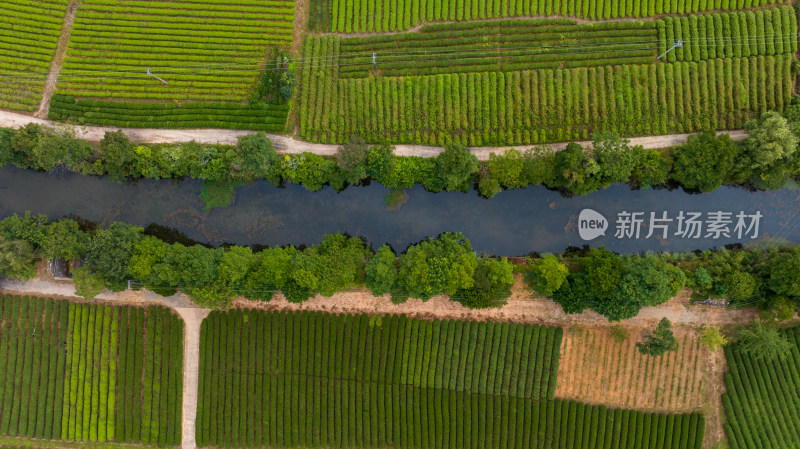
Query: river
x,y
513,223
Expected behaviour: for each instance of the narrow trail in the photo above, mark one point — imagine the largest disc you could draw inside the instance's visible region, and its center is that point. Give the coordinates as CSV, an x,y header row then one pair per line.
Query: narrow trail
x,y
58,59
289,145
193,319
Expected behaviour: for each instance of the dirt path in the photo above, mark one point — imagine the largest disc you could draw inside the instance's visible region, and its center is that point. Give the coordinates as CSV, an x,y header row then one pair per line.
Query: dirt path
x,y
290,145
193,318
58,59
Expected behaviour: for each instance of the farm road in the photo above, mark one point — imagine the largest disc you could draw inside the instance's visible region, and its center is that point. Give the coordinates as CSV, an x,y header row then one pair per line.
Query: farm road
x,y
289,145
193,318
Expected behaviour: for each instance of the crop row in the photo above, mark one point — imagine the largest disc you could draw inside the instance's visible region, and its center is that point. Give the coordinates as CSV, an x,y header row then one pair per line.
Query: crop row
x,y
354,16
28,38
90,373
32,364
762,403
538,106
169,115
306,379
205,52
729,35
517,45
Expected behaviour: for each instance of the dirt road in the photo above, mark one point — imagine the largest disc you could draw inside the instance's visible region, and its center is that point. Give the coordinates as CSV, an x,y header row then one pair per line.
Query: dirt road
x,y
290,145
193,318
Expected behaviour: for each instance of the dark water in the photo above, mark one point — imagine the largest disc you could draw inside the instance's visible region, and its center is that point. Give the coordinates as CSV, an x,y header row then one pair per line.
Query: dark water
x,y
512,223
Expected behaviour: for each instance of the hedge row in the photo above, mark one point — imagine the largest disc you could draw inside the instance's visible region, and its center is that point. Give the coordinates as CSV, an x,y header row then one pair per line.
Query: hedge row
x,y
125,38
762,403
83,372
29,34
264,117
537,106
358,16
732,35
307,379
518,44
32,364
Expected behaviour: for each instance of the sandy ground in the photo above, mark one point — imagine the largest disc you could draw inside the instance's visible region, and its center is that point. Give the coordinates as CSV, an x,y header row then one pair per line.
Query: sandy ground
x,y
290,145
58,59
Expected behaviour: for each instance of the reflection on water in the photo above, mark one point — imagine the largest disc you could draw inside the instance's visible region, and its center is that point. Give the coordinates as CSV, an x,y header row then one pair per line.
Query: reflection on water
x,y
512,223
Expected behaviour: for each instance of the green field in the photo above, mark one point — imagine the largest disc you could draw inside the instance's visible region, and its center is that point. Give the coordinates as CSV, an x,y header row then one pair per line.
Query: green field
x,y
762,404
28,39
520,82
210,53
80,372
358,16
309,379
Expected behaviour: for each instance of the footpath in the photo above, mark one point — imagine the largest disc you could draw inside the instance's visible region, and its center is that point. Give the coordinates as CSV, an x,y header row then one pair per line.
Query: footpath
x,y
290,145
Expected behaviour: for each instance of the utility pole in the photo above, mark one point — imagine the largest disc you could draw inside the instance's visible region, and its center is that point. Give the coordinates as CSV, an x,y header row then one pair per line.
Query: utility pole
x,y
156,77
677,45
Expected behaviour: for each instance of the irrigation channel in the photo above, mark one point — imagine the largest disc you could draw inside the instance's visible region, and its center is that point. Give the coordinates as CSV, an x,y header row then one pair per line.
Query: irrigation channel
x,y
513,223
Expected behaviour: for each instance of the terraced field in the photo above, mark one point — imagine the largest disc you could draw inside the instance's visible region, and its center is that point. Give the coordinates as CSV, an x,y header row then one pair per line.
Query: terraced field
x,y
29,34
89,373
305,379
521,82
211,54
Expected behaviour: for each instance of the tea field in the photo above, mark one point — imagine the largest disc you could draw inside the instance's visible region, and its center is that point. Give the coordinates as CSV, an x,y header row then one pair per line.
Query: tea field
x,y
90,373
307,379
29,34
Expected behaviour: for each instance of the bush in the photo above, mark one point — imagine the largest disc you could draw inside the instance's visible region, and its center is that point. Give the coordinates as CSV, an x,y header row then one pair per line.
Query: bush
x,y
660,341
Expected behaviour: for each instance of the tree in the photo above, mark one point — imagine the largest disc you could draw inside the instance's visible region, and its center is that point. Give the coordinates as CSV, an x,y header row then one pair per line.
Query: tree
x,y
493,279
87,284
55,147
576,170
762,342
768,152
704,162
603,271
381,271
64,239
232,269
187,267
352,159
110,251
615,158
32,228
455,165
435,266
269,273
17,259
645,282
575,294
783,274
546,275
255,158
712,338
660,341
116,152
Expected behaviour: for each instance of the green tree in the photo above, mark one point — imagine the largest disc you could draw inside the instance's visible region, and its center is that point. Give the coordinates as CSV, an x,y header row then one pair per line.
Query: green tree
x,y
704,162
87,284
110,251
381,271
146,253
651,168
508,169
615,158
763,342
255,158
768,152
712,338
116,151
270,271
575,294
435,266
603,271
644,282
783,274
493,279
64,239
32,228
187,267
546,275
576,170
17,259
660,341
56,147
455,165
352,159
232,269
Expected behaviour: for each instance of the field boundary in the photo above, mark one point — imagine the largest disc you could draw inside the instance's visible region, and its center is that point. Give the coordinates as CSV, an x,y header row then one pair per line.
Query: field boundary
x,y
58,59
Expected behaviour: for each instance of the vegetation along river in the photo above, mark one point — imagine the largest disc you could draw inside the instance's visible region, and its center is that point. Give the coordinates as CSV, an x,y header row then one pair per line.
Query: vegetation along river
x,y
512,223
